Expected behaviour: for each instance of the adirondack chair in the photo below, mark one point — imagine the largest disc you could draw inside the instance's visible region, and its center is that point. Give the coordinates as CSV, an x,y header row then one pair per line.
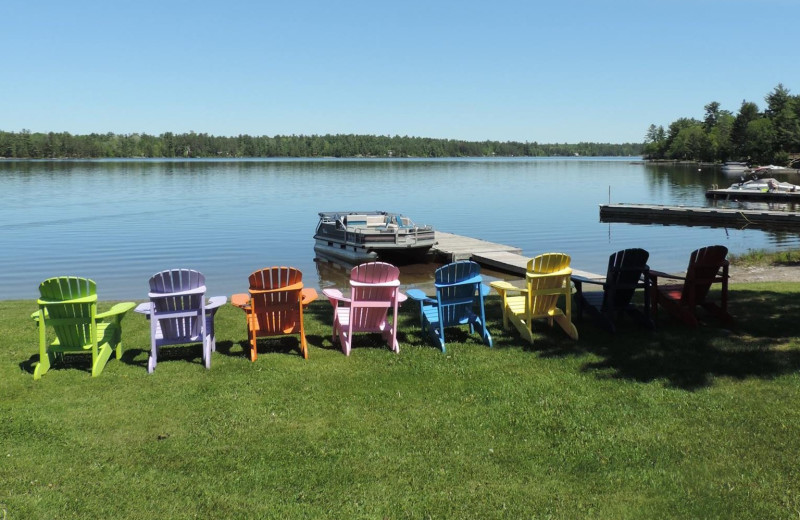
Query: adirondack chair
x,y
176,309
547,278
274,305
459,289
69,305
707,266
374,289
627,271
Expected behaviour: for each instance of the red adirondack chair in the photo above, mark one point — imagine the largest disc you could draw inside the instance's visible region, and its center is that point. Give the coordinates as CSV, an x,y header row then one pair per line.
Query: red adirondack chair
x,y
274,305
707,266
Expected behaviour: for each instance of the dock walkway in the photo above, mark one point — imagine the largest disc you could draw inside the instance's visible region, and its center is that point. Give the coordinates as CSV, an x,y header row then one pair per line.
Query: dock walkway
x,y
508,259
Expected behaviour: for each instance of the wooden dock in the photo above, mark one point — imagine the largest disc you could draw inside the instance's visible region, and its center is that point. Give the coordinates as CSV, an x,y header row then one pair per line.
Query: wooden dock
x,y
451,248
508,259
697,216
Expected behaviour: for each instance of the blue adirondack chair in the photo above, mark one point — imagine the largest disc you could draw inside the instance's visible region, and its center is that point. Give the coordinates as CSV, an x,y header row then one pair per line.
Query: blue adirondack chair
x,y
459,290
176,309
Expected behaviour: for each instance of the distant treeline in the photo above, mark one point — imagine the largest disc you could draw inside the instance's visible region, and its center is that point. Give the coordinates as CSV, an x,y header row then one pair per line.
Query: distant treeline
x,y
35,145
771,136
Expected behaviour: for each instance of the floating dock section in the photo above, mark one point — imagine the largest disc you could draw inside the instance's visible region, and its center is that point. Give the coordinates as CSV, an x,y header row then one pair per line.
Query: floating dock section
x,y
697,216
508,259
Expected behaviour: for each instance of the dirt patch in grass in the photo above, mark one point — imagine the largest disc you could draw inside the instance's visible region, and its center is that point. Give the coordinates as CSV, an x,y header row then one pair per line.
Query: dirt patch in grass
x,y
765,273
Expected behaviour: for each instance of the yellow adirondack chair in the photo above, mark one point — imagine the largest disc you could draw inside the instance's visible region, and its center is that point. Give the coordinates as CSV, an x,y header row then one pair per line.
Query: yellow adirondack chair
x,y
547,278
69,305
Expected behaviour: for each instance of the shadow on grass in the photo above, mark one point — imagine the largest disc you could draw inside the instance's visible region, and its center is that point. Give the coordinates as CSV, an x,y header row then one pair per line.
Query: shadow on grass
x,y
189,353
762,343
76,361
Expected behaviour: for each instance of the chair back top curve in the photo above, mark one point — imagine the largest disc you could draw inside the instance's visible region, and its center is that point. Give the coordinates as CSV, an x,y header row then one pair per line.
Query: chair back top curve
x,y
457,273
274,278
624,276
704,266
374,273
64,288
176,280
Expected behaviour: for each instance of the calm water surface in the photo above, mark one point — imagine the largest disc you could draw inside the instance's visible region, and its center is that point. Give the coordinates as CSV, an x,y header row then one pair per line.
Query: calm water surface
x,y
118,222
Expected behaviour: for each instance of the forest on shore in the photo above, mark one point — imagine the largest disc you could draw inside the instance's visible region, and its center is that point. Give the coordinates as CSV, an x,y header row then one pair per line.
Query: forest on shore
x,y
63,145
52,145
771,136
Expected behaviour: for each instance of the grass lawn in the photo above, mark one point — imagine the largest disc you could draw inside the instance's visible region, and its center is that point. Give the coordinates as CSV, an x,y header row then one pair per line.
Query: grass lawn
x,y
675,423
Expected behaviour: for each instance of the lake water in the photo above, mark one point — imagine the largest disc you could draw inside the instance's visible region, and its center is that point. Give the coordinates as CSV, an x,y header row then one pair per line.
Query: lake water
x,y
120,221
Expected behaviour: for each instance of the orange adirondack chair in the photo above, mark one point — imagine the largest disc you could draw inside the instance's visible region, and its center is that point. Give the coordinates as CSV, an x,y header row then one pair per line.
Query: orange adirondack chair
x,y
274,305
707,266
547,278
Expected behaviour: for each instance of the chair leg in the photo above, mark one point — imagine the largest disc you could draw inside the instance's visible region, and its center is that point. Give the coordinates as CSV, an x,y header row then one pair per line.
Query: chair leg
x,y
100,360
45,360
253,346
303,342
152,360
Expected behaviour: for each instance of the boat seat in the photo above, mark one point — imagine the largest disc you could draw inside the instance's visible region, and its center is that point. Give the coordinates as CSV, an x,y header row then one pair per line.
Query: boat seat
x,y
356,220
376,220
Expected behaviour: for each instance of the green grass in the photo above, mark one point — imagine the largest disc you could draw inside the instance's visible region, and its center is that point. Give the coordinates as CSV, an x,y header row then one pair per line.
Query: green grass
x,y
668,424
762,257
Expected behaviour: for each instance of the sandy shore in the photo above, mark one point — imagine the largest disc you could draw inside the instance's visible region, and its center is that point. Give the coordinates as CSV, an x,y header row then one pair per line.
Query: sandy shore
x,y
781,273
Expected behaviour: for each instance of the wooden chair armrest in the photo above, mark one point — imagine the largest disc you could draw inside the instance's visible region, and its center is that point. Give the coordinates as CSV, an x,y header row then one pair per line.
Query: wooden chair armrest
x,y
419,296
308,295
582,279
117,311
504,287
335,295
659,274
241,300
215,302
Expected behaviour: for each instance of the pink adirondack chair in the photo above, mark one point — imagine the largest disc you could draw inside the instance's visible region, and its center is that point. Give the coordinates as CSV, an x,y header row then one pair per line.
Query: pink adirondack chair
x,y
374,289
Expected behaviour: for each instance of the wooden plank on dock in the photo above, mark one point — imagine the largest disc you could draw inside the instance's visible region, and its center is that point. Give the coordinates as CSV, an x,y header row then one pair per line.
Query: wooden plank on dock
x,y
453,247
503,261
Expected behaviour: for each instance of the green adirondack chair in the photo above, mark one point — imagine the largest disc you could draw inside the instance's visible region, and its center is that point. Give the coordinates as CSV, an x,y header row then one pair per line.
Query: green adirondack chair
x,y
69,305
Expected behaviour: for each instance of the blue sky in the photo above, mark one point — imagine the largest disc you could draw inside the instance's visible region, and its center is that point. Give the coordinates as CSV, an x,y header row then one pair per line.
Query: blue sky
x,y
558,71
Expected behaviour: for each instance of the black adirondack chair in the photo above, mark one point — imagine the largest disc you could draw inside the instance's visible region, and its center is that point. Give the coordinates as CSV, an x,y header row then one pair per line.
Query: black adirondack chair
x,y
627,272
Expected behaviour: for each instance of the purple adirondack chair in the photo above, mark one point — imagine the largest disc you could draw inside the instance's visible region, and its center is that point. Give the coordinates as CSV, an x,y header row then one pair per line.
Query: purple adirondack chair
x,y
374,289
176,310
